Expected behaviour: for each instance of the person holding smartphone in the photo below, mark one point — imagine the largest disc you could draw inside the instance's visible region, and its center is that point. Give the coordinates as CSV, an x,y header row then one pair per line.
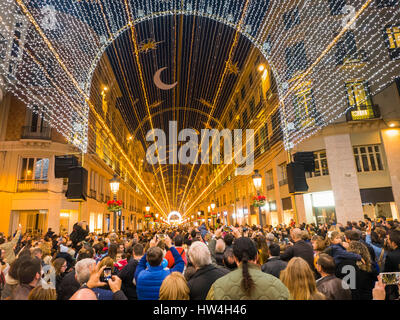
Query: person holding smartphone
x,y
8,247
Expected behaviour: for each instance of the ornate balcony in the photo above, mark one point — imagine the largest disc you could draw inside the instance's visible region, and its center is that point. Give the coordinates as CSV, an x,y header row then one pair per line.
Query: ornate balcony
x,y
363,113
32,185
36,133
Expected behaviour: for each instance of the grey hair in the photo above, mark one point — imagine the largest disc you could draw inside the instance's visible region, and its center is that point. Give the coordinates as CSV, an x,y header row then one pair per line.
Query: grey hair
x,y
199,254
220,246
83,269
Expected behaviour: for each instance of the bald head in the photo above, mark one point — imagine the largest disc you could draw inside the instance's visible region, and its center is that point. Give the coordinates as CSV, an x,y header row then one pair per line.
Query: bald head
x,y
296,234
84,294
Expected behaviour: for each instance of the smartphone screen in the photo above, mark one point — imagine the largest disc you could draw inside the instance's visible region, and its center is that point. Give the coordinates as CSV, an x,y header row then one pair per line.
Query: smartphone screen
x,y
390,278
107,274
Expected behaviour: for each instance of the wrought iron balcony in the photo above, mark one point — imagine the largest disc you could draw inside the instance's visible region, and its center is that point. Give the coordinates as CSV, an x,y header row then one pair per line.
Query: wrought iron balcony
x,y
363,113
32,185
41,133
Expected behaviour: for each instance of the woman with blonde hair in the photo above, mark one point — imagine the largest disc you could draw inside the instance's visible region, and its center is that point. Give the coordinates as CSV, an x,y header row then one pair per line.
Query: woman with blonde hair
x,y
174,287
40,293
299,279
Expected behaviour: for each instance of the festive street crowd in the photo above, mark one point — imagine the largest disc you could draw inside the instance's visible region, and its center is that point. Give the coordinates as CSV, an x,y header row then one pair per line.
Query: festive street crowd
x,y
356,261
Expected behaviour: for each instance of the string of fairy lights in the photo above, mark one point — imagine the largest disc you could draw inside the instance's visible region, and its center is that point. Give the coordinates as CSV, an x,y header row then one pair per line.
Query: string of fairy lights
x,y
298,39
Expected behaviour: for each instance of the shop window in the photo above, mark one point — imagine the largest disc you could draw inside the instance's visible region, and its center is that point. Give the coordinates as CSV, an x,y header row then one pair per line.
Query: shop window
x,y
368,158
392,39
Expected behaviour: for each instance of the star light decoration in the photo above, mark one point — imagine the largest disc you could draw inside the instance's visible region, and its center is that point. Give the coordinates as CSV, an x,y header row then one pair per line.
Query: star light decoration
x,y
148,45
296,36
232,68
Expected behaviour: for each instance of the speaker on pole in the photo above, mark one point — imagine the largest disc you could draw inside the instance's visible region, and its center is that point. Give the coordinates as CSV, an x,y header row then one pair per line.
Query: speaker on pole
x,y
296,178
63,164
77,184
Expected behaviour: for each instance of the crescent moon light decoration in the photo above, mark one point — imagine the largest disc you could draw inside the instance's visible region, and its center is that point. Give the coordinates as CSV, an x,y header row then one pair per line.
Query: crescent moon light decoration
x,y
161,85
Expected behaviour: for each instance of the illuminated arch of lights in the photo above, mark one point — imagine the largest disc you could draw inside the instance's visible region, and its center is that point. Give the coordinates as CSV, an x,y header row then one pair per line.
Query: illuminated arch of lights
x,y
174,214
53,48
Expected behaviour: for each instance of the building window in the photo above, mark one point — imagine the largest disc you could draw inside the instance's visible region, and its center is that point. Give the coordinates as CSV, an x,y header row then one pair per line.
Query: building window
x,y
291,18
336,6
244,115
282,174
346,48
34,169
304,104
3,47
296,59
243,92
252,104
359,100
392,39
321,165
386,3
368,158
269,178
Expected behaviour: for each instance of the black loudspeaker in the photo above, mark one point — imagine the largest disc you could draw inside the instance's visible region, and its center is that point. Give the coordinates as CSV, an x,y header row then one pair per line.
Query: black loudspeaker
x,y
77,184
296,178
305,158
63,164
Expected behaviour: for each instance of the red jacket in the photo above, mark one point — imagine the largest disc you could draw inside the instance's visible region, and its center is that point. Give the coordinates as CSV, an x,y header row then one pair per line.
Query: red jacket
x,y
171,260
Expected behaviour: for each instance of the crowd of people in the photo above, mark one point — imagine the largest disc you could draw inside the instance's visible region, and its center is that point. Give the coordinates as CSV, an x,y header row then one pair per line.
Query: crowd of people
x,y
300,262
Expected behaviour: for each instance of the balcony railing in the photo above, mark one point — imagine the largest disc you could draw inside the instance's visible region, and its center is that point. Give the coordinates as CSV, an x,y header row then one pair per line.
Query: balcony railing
x,y
283,182
270,187
32,185
93,194
363,113
42,133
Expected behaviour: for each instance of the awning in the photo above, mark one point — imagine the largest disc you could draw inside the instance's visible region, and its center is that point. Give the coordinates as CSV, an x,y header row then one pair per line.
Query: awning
x,y
374,195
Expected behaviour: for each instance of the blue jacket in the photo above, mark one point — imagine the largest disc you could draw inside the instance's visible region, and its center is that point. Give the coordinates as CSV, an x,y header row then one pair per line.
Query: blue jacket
x,y
149,279
339,253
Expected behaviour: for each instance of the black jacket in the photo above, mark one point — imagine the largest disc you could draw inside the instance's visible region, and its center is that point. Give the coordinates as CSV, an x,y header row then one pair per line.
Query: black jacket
x,y
332,288
364,281
300,249
127,275
68,286
78,234
274,266
392,264
201,281
68,258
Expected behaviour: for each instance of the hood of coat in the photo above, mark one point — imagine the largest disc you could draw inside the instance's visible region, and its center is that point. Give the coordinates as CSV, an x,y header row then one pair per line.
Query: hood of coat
x,y
11,281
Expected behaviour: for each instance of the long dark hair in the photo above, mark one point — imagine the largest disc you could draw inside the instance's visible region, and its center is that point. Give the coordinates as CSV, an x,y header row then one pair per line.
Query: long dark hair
x,y
245,250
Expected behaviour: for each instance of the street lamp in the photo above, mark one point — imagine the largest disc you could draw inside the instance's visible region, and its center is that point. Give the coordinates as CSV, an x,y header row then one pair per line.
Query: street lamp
x,y
212,205
114,186
147,210
257,180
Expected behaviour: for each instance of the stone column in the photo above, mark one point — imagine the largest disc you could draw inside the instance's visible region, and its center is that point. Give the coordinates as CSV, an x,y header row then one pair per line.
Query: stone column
x,y
391,144
343,175
298,205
